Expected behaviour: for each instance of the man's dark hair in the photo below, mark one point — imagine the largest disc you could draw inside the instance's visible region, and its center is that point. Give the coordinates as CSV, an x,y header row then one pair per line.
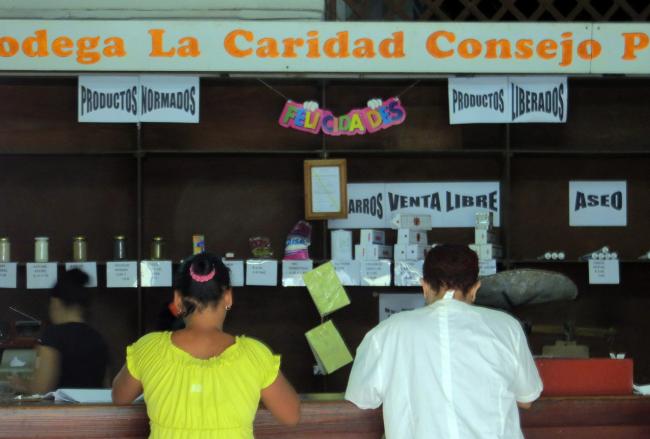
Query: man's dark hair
x,y
451,266
70,288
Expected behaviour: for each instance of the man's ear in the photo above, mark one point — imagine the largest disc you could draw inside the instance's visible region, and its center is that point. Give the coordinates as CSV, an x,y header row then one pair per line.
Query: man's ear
x,y
427,291
471,294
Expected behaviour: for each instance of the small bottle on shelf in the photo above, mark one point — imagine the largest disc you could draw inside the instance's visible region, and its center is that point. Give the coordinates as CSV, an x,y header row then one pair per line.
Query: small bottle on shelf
x,y
79,249
41,249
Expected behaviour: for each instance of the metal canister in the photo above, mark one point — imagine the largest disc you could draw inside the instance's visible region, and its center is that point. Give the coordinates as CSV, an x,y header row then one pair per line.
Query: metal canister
x,y
119,248
5,250
157,244
41,249
198,244
79,249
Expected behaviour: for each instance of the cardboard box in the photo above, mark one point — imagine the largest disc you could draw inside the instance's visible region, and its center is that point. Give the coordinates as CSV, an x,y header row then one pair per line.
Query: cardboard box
x,y
484,236
372,236
413,222
341,245
409,236
591,376
487,251
372,252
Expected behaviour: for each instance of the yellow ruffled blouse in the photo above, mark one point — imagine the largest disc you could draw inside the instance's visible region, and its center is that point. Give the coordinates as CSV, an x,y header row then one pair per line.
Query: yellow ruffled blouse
x,y
192,398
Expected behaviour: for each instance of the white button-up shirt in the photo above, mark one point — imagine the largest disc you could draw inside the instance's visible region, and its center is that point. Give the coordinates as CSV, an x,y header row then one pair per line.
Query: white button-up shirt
x,y
449,370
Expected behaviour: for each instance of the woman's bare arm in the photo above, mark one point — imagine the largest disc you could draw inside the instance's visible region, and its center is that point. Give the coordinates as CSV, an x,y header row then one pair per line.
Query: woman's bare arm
x,y
282,401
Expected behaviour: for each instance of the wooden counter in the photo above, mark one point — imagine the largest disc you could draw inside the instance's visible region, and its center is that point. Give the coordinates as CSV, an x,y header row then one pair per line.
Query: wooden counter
x,y
575,418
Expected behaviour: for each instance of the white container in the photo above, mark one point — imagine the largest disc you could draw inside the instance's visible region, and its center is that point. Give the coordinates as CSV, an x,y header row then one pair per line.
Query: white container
x,y
484,220
410,252
413,222
372,252
416,252
484,236
372,236
41,249
408,236
341,245
487,251
5,250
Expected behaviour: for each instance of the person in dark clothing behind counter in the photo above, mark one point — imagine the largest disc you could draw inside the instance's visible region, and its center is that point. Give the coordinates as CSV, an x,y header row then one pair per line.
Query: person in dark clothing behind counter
x,y
70,353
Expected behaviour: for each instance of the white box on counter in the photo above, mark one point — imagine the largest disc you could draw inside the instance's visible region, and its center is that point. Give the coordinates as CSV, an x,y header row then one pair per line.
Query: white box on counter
x,y
341,245
372,252
413,222
484,236
410,252
372,236
487,251
409,236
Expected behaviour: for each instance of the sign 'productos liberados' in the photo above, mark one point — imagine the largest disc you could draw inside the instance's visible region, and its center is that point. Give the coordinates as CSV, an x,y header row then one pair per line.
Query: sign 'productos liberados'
x,y
385,47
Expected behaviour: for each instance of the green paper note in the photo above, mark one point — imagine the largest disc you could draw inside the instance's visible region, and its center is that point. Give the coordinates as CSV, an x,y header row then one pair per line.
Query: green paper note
x,y
326,289
328,347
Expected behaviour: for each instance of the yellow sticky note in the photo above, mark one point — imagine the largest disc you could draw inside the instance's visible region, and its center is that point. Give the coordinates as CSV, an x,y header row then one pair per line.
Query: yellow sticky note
x,y
329,349
325,289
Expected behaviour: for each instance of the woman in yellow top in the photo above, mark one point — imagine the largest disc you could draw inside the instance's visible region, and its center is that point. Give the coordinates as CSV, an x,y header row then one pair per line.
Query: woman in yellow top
x,y
200,382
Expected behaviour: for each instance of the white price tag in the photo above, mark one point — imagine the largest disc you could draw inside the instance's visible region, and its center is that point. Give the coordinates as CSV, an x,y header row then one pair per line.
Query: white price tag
x,y
8,275
156,273
348,272
487,267
375,273
236,272
262,272
392,303
604,271
41,275
90,268
122,274
292,272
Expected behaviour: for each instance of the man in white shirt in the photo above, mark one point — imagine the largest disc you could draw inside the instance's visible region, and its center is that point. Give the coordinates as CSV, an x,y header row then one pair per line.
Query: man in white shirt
x,y
450,369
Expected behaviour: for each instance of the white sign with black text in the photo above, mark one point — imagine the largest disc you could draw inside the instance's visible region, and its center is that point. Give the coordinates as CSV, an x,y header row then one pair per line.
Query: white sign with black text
x,y
156,273
166,98
604,272
122,274
108,98
538,99
41,275
143,98
450,204
479,100
393,303
508,99
8,275
597,203
236,268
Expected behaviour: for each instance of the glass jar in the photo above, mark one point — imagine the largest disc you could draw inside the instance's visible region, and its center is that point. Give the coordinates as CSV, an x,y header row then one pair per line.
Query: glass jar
x,y
157,244
41,249
79,249
5,250
119,248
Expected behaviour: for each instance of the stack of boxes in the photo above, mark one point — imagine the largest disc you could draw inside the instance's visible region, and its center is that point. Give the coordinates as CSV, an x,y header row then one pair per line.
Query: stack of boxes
x,y
485,242
372,246
412,245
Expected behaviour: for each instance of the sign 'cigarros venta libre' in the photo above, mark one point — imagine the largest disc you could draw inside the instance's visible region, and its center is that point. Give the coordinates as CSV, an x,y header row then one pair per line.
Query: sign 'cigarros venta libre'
x,y
379,115
339,47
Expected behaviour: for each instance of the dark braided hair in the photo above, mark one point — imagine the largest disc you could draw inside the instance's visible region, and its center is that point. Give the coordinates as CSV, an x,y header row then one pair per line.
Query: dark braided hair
x,y
451,266
201,281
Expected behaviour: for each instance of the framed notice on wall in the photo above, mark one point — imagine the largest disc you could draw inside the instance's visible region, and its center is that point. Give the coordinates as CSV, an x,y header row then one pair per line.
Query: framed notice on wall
x,y
326,194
